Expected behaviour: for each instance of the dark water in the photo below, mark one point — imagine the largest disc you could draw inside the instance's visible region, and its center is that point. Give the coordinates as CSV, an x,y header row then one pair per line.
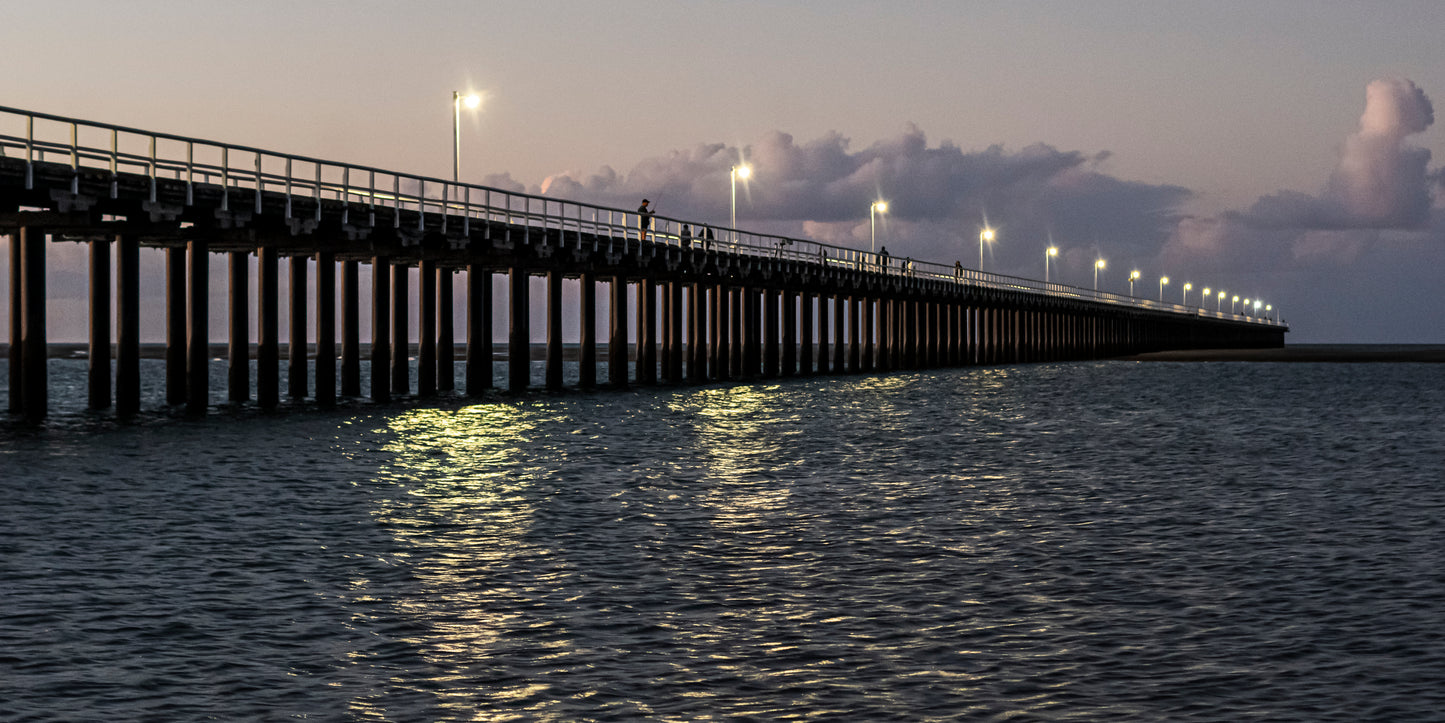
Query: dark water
x,y
1092,541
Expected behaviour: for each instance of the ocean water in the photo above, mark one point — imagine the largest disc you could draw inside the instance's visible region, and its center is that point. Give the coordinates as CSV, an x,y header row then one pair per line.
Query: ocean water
x,y
1086,541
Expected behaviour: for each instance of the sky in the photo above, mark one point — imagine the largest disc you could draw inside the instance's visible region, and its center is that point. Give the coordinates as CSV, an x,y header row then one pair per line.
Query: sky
x,y
1279,149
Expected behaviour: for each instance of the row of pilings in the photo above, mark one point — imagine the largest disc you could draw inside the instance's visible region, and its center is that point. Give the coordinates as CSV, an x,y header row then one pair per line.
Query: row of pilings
x,y
695,314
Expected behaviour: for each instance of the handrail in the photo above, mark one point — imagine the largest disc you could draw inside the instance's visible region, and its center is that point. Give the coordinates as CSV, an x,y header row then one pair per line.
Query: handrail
x,y
426,195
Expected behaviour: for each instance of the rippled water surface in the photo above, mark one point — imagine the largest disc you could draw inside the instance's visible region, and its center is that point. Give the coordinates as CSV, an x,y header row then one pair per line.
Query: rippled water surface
x,y
1096,541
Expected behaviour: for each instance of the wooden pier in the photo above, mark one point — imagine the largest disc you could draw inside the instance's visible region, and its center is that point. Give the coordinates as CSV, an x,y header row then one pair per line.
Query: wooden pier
x,y
741,306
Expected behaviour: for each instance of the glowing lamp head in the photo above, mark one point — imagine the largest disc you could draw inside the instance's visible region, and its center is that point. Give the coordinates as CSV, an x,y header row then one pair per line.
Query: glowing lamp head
x,y
743,171
881,206
1053,250
1206,291
1188,286
1236,298
1134,274
1099,264
1163,280
471,100
987,234
1269,307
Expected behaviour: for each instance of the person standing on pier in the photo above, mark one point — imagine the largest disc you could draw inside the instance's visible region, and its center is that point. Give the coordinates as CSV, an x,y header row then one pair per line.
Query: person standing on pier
x,y
644,219
883,256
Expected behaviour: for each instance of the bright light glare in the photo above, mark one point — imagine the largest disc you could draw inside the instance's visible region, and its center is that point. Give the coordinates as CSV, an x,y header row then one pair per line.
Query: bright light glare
x,y
471,100
1053,251
1099,264
987,234
1163,280
881,206
1134,274
744,171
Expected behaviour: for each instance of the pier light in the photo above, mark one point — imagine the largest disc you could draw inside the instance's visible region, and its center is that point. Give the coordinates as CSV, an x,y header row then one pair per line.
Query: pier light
x,y
1256,307
1133,276
1184,295
986,235
743,171
1232,302
876,207
1098,264
1050,253
1219,305
472,101
1163,281
1245,308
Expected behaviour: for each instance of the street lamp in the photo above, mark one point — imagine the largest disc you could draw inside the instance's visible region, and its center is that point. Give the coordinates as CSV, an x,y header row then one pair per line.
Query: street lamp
x,y
1053,251
879,207
1232,302
1098,264
471,101
1162,281
1132,276
1204,297
1219,305
1256,307
741,171
1184,296
985,235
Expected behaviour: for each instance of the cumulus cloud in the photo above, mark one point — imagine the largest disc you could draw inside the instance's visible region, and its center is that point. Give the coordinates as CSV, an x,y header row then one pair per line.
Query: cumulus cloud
x,y
1380,183
939,194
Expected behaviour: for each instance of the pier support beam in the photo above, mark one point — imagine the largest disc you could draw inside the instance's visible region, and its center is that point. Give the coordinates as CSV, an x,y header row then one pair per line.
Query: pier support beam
x,y
719,356
554,330
736,344
674,331
823,329
426,329
697,333
296,349
34,377
855,328
617,336
869,348
350,329
805,350
587,354
98,358
519,331
446,332
380,329
268,352
647,331
790,332
325,328
840,333
479,329
400,329
238,322
175,325
17,303
127,325
198,342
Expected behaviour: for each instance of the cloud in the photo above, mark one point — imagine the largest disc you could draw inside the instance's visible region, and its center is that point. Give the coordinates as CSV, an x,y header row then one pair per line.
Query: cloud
x,y
939,195
1380,183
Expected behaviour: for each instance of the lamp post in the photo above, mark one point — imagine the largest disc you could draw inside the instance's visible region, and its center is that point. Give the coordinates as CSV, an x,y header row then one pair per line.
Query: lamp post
x,y
1256,307
1132,276
1204,297
873,209
1245,308
1219,305
1268,308
985,235
1233,302
1098,264
471,101
1163,280
1184,295
1053,251
742,171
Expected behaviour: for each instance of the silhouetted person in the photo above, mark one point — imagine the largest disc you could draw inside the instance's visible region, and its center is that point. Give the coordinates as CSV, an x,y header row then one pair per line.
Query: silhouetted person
x,y
957,269
883,254
685,236
644,219
707,238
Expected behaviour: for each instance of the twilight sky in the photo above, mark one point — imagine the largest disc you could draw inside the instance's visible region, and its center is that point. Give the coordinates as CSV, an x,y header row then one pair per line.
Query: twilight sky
x,y
1283,150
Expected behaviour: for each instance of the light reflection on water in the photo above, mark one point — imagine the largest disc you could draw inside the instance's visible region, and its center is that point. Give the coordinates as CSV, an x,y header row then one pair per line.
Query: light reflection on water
x,y
1072,542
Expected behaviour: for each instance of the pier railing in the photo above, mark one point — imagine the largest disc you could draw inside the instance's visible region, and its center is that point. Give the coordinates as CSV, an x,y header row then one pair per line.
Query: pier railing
x,y
45,138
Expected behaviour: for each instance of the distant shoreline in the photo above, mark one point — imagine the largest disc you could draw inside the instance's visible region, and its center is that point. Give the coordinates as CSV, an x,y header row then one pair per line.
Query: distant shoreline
x,y
1339,353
